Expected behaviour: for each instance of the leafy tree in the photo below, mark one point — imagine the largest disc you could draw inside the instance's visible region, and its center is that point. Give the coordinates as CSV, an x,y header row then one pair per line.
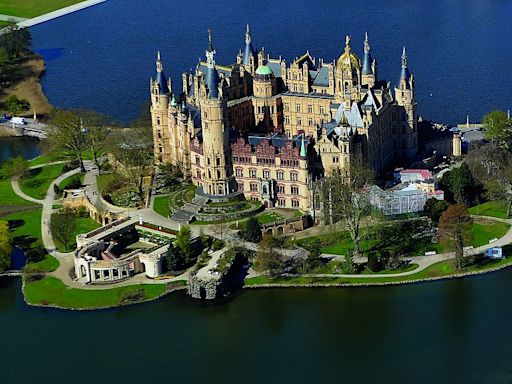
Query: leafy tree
x,y
15,106
69,134
174,259
5,246
268,258
455,230
348,266
460,187
498,128
252,230
374,263
315,251
63,225
346,198
98,131
14,167
434,208
183,244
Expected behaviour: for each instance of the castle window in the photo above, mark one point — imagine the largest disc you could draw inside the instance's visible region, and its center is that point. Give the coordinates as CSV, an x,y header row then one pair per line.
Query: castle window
x,y
198,161
254,187
158,120
265,190
198,174
299,121
294,176
239,172
159,134
295,190
335,159
252,173
287,119
280,188
218,162
286,107
310,108
310,122
280,175
282,202
322,109
266,174
218,174
241,187
297,108
160,149
295,203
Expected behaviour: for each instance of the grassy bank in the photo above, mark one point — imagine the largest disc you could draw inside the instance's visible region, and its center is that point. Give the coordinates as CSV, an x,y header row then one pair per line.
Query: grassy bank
x,y
32,8
82,225
51,291
496,208
437,270
161,205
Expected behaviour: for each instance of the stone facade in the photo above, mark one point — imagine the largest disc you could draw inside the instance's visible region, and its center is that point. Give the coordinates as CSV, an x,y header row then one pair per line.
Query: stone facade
x,y
269,129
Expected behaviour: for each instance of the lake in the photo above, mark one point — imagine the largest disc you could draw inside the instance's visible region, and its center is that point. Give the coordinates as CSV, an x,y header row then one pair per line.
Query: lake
x,y
445,332
460,51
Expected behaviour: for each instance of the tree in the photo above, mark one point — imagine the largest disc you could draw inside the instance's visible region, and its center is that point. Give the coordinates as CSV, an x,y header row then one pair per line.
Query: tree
x,y
492,166
348,266
69,134
268,258
315,251
63,225
174,259
183,244
15,40
252,230
15,106
346,198
220,229
374,263
434,208
455,230
97,135
133,152
460,186
15,167
498,128
5,246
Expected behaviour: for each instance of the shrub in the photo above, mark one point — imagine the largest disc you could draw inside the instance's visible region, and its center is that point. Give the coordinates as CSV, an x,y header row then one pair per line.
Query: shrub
x,y
374,263
252,230
217,244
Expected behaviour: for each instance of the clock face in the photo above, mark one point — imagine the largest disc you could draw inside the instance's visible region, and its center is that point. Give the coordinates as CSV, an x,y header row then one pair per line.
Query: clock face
x,y
347,61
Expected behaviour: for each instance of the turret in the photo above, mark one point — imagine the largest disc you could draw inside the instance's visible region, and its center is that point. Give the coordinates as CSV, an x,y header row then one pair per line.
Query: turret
x,y
404,95
160,90
368,71
212,76
249,56
348,72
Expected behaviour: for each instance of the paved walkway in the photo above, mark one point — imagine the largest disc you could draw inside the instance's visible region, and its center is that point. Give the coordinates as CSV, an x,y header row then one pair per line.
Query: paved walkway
x,y
61,12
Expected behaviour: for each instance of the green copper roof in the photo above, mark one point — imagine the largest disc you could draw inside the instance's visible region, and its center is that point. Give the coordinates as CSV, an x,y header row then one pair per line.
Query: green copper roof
x,y
303,148
264,70
173,101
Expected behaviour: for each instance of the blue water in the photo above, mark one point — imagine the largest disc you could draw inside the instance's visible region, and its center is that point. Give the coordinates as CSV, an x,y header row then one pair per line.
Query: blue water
x,y
459,50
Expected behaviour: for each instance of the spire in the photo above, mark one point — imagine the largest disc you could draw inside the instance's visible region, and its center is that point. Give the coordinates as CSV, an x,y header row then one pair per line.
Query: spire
x,y
405,74
303,151
210,45
347,43
161,80
249,50
211,76
367,58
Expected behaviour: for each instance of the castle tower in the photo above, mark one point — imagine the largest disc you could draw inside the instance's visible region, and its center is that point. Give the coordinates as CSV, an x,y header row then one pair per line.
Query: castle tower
x,y
368,72
405,98
218,172
249,55
348,74
457,144
160,89
265,107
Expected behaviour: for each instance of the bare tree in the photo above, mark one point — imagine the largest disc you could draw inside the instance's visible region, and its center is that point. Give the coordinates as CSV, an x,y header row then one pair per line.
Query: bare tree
x,y
346,198
63,226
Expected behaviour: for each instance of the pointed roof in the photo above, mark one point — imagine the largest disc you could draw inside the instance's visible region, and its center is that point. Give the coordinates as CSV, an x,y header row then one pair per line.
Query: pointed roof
x,y
161,80
211,78
210,44
405,74
303,152
367,58
249,50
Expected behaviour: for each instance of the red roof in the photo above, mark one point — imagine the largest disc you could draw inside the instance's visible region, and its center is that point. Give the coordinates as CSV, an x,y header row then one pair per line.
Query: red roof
x,y
425,173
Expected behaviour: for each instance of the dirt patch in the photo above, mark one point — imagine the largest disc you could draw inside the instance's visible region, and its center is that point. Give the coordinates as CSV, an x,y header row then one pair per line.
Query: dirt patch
x,y
30,88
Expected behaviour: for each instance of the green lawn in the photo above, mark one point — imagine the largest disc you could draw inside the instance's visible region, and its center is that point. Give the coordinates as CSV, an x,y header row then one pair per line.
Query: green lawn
x,y
33,8
77,178
496,208
483,233
83,225
269,217
161,205
440,269
8,197
48,264
36,182
52,291
104,180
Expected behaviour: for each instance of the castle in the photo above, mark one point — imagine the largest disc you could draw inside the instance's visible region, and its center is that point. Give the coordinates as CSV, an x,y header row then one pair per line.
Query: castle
x,y
267,130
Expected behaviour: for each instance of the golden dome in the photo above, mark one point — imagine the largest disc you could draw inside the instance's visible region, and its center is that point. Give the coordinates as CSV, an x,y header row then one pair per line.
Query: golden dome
x,y
348,59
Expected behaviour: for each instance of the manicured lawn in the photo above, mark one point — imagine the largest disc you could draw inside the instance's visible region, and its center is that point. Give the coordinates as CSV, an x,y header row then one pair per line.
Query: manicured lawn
x,y
482,233
48,264
74,179
161,205
8,197
269,217
33,8
496,208
83,225
52,291
36,182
